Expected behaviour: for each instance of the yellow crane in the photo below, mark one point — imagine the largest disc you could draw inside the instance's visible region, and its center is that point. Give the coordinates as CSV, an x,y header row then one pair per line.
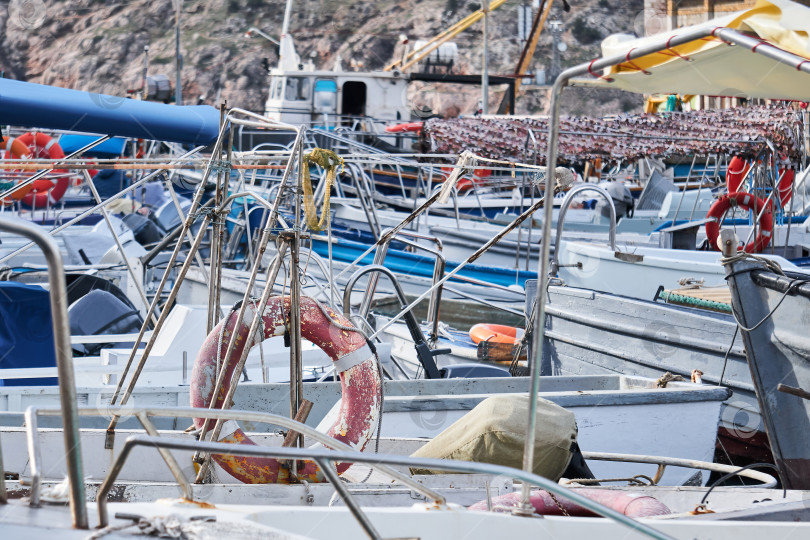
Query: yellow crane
x,y
416,55
527,53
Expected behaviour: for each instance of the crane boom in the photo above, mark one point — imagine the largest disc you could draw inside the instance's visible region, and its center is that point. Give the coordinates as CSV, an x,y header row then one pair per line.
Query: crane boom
x,y
415,56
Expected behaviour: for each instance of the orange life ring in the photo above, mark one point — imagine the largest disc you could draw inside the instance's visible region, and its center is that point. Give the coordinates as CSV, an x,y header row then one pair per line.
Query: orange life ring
x,y
630,504
360,382
735,173
14,150
407,127
45,190
496,333
749,202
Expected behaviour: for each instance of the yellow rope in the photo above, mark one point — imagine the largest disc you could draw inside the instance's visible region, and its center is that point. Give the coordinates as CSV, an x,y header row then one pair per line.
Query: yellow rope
x,y
330,162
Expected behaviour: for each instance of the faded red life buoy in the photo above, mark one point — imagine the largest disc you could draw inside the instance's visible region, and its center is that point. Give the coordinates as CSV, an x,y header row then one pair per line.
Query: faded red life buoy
x,y
629,504
735,173
748,202
360,383
408,127
496,333
45,190
15,150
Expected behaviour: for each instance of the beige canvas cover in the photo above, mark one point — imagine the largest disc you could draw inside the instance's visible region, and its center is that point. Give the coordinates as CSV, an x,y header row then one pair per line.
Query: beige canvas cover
x,y
495,432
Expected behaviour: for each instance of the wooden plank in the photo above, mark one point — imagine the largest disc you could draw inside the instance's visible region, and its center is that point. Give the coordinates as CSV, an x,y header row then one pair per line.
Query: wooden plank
x,y
714,294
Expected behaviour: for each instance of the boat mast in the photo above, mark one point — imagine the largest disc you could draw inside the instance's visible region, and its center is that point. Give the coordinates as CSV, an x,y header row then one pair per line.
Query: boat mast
x,y
287,59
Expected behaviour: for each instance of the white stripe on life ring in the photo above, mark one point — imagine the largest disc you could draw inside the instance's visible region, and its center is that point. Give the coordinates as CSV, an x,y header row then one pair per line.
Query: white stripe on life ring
x,y
354,358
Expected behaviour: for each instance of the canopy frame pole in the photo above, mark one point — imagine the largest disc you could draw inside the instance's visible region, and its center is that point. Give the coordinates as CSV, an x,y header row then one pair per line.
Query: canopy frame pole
x,y
732,37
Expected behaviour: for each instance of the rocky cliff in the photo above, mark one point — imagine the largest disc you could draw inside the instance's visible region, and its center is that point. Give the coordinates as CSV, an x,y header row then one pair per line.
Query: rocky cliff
x,y
98,45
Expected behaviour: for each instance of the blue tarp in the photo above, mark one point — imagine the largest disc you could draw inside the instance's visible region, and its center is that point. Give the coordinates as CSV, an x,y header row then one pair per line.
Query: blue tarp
x,y
47,107
111,148
26,331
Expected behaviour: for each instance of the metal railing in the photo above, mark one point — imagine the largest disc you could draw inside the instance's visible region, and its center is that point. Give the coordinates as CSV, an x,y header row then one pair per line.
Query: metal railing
x,y
143,415
569,197
326,458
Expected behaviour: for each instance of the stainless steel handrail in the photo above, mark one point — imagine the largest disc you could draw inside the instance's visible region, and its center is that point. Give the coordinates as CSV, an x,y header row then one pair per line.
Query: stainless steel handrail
x,y
379,258
569,197
3,494
327,457
143,413
64,363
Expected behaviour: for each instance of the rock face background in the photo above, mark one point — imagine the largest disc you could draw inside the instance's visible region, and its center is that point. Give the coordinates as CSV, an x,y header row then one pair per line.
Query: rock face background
x,y
98,45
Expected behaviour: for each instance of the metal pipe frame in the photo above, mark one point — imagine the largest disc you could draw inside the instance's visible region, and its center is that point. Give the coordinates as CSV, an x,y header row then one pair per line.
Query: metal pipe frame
x,y
104,204
227,120
161,319
766,480
143,415
503,232
569,197
726,34
272,274
321,455
189,237
262,246
64,364
137,280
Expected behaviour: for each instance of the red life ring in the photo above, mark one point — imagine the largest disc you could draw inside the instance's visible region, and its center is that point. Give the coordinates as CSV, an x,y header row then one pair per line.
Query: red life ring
x,y
45,190
735,173
496,333
359,380
630,504
407,127
14,150
749,202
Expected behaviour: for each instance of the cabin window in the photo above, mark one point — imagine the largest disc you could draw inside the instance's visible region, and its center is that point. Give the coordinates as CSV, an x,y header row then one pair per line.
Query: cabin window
x,y
297,89
325,97
276,86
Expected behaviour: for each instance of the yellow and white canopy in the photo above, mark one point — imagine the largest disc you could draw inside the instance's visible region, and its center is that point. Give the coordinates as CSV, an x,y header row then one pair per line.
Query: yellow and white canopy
x,y
716,68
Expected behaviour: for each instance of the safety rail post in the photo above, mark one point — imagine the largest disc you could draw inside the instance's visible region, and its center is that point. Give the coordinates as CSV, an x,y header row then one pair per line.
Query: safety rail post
x,y
3,494
64,364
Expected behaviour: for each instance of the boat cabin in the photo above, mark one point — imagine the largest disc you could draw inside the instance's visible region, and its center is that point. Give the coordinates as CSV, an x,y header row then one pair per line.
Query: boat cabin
x,y
333,98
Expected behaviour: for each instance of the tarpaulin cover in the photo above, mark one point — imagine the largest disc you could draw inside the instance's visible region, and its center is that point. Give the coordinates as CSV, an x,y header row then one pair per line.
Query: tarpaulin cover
x,y
26,331
495,432
47,107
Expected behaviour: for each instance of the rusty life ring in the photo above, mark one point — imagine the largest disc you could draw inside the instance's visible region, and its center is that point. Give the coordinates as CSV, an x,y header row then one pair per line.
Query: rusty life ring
x,y
749,202
45,190
360,382
15,150
496,333
630,504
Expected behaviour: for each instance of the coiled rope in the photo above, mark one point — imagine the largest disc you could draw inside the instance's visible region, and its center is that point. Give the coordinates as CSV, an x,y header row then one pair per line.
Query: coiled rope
x,y
330,162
